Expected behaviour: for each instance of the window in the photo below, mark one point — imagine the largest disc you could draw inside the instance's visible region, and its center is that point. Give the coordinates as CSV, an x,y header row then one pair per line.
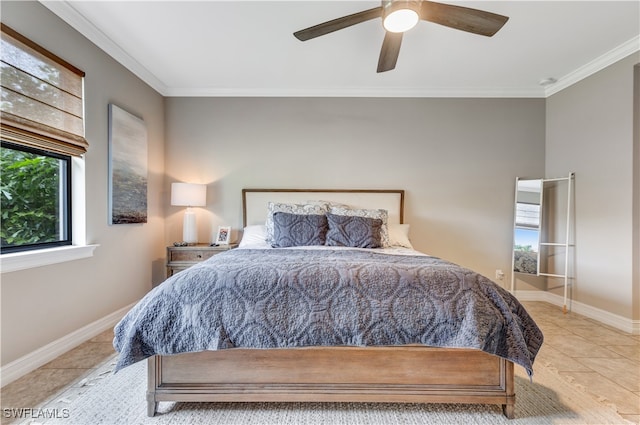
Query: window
x,y
35,197
42,130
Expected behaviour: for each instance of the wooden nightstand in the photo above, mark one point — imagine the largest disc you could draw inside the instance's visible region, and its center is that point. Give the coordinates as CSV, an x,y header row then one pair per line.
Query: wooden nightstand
x,y
183,257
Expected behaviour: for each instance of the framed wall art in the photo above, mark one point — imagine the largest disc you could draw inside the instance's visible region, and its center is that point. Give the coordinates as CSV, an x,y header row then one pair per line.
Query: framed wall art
x,y
127,167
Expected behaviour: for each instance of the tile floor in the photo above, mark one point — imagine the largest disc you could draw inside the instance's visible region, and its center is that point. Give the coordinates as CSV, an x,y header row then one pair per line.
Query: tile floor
x,y
605,361
36,387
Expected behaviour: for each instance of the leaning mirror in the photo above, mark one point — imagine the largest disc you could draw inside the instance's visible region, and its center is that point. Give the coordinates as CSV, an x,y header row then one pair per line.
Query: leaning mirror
x,y
526,232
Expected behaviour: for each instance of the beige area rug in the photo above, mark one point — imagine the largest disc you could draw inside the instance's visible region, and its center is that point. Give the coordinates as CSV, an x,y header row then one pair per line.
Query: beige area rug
x,y
105,398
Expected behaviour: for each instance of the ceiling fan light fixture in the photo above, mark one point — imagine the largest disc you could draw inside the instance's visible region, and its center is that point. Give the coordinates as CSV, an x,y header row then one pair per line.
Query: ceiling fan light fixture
x,y
401,20
400,16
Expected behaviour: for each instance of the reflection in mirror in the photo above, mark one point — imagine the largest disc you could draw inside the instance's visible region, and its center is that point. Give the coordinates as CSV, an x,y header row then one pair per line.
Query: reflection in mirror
x,y
526,233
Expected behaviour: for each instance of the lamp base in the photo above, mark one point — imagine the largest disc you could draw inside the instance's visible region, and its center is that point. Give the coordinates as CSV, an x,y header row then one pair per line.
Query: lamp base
x,y
189,229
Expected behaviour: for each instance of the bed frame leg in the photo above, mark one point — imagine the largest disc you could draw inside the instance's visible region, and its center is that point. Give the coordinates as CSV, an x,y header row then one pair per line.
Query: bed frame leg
x,y
509,410
152,405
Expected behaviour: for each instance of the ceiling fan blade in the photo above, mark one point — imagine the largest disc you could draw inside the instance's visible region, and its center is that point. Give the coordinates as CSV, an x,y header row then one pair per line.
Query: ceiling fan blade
x,y
462,18
390,51
338,24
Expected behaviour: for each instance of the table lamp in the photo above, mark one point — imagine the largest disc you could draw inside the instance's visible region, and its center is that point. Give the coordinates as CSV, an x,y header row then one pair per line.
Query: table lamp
x,y
189,195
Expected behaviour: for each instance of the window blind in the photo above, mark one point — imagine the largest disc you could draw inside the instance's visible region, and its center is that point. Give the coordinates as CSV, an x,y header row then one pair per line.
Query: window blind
x,y
527,215
42,105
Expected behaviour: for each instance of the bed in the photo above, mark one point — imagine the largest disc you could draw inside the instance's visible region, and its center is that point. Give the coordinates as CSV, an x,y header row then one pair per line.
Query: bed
x,y
384,363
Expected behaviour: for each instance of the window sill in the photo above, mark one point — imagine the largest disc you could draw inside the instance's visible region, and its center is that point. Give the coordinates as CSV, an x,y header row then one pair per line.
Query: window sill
x,y
44,257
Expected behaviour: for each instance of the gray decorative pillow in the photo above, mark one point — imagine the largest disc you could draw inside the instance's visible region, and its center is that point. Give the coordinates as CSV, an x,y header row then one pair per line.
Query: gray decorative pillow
x,y
298,229
379,214
274,207
354,231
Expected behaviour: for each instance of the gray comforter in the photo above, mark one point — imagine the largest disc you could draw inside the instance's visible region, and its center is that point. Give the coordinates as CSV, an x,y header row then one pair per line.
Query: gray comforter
x,y
292,298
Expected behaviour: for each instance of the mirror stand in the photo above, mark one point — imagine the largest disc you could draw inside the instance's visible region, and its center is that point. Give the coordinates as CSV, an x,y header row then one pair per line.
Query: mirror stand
x,y
539,228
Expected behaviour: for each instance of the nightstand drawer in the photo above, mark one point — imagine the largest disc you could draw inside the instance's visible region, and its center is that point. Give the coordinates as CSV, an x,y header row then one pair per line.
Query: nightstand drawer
x,y
183,257
195,255
177,268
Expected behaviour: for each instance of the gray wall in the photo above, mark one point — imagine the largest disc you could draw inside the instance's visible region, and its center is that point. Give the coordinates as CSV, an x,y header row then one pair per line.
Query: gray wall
x,y
457,159
590,131
43,304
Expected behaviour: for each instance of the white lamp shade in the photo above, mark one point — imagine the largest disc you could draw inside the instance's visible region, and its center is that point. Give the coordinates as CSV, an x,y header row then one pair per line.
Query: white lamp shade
x,y
188,194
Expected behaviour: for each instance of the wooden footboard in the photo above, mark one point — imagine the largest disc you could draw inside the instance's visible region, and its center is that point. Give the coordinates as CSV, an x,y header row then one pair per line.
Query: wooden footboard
x,y
408,374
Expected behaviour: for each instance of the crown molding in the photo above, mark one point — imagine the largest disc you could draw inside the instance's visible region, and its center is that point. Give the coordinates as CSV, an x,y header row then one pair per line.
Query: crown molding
x,y
388,92
64,10
598,64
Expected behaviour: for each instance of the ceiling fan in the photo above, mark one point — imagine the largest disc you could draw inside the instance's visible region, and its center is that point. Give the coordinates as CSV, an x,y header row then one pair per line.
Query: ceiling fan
x,y
399,16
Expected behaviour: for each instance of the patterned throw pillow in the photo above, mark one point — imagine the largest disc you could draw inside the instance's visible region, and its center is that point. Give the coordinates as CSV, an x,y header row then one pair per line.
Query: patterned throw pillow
x,y
298,230
354,231
306,209
379,214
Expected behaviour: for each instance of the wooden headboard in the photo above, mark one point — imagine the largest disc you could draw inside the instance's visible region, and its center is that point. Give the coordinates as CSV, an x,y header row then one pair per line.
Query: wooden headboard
x,y
254,201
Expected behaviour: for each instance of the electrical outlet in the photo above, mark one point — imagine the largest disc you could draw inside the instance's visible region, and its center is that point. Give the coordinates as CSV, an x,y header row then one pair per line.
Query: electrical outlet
x,y
499,274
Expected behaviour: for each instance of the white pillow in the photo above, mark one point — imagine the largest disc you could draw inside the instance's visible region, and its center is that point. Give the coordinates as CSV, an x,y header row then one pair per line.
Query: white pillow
x,y
399,235
254,237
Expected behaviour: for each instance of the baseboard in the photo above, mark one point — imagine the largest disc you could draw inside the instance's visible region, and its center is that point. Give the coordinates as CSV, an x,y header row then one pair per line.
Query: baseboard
x,y
25,364
602,316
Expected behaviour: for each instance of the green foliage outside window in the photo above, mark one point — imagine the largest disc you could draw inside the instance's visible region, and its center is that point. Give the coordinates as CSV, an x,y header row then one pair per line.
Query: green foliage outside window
x,y
29,198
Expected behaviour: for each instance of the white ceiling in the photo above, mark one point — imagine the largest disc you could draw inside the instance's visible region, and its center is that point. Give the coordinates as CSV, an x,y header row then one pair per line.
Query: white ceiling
x,y
246,48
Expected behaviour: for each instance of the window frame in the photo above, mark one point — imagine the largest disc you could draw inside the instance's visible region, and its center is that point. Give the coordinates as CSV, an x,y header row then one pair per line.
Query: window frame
x,y
66,212
25,260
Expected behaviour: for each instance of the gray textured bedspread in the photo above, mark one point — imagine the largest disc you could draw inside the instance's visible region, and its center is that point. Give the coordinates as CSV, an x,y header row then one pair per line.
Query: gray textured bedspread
x,y
291,298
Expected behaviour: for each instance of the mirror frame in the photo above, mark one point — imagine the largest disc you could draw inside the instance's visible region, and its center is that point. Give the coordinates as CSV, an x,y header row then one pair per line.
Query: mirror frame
x,y
525,222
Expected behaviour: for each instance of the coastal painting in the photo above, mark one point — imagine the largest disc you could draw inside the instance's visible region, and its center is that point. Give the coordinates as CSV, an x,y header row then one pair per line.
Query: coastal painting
x,y
127,167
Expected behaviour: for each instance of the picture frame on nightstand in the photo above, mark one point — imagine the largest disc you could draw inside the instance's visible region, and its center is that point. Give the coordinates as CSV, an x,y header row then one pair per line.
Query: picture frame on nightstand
x,y
223,236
